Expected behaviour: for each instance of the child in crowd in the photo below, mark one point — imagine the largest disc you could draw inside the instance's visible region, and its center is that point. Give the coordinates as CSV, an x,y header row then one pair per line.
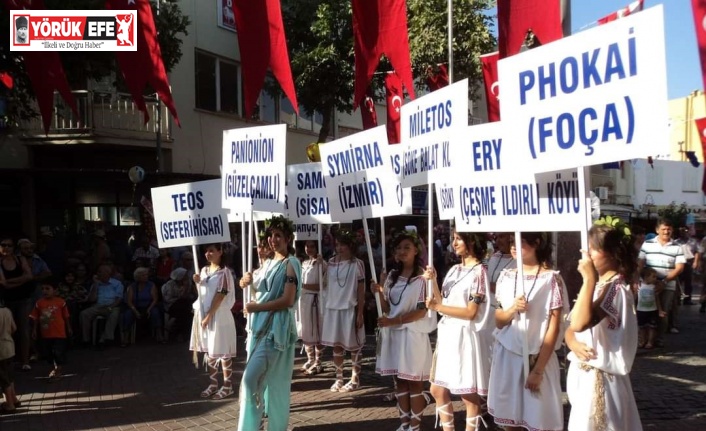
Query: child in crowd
x,y
50,317
649,307
7,352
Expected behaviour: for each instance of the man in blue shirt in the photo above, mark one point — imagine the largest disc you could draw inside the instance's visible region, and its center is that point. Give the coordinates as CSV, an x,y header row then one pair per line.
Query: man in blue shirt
x,y
107,293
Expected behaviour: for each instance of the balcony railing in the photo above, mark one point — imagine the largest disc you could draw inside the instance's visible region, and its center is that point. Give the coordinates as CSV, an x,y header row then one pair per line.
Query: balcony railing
x,y
101,112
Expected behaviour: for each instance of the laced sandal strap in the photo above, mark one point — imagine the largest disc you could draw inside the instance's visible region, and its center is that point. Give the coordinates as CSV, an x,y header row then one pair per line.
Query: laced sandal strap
x,y
442,410
475,420
414,428
337,385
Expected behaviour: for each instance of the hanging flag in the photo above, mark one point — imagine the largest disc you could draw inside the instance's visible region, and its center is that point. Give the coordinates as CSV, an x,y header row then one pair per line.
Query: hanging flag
x,y
439,79
492,89
699,10
630,9
393,97
144,66
367,111
45,71
380,27
262,44
517,18
691,157
701,127
6,80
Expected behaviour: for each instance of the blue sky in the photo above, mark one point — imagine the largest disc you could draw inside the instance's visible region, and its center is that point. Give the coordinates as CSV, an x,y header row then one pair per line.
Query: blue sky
x,y
683,69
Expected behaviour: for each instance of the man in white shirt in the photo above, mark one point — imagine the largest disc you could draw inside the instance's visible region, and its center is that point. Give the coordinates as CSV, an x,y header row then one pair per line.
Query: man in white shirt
x,y
666,256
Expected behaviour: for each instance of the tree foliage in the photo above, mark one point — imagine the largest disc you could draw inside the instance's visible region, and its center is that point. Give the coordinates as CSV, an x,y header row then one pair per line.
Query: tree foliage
x,y
320,41
81,67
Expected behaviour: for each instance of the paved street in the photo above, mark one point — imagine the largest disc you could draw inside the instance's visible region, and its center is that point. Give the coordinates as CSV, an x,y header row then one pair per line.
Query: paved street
x,y
155,387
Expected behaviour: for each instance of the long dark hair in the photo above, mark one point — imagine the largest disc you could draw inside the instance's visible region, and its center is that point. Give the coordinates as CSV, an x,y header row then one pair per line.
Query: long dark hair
x,y
475,243
224,256
542,247
616,244
397,266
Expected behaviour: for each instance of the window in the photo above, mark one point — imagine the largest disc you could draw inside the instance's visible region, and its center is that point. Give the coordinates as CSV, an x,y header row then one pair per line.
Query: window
x,y
217,84
654,179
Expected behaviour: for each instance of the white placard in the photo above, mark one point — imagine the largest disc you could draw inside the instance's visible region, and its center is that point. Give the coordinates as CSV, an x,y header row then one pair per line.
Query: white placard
x,y
596,97
306,194
306,231
358,175
403,194
190,214
552,201
428,124
254,171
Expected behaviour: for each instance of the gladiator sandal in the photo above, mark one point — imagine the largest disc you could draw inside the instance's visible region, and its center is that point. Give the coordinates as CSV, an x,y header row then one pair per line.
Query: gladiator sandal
x,y
415,416
404,415
448,425
212,365
227,389
472,423
309,358
354,382
338,384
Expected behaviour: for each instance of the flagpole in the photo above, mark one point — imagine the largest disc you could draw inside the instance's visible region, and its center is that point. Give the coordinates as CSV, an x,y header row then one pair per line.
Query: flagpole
x,y
451,41
160,163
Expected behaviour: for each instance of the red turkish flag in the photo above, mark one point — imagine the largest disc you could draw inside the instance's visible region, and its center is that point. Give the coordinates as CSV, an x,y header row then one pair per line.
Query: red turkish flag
x,y
368,113
630,9
436,80
492,89
393,97
701,127
144,65
699,10
515,18
262,44
45,71
380,27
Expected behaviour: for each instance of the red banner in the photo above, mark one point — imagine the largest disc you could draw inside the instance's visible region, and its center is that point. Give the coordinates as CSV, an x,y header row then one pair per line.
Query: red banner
x,y
393,97
492,89
367,111
438,79
516,18
701,127
699,10
380,27
262,44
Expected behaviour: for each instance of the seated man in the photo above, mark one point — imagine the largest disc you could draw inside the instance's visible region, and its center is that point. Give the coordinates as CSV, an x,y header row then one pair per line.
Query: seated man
x,y
107,293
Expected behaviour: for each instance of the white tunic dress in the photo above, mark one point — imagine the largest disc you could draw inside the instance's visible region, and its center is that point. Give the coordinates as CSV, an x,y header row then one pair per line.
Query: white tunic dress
x,y
462,357
614,340
309,313
508,400
405,350
218,338
341,302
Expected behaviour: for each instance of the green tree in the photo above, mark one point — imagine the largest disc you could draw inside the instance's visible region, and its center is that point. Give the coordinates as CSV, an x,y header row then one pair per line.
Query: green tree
x,y
81,67
320,41
675,213
428,38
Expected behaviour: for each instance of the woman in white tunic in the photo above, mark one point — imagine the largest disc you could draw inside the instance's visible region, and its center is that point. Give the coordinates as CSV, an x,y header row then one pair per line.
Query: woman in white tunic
x,y
343,311
310,318
534,401
462,359
213,328
405,350
602,335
